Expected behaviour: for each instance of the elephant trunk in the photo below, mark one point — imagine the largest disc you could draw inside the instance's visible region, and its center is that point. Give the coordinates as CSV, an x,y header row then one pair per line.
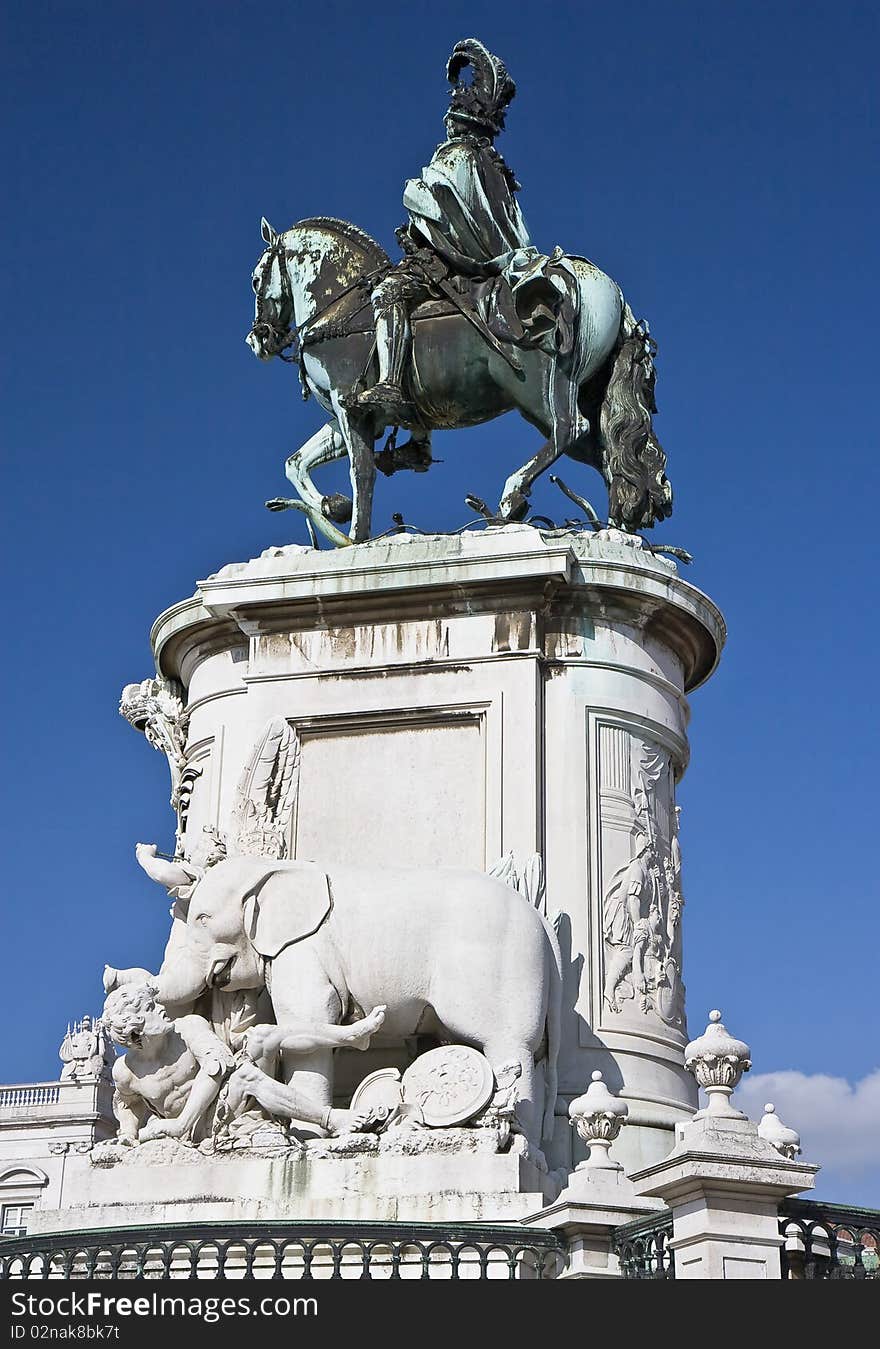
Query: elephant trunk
x,y
180,982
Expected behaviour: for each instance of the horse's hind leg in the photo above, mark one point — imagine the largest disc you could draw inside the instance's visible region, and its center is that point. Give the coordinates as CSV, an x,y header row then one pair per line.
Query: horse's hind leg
x,y
515,497
557,416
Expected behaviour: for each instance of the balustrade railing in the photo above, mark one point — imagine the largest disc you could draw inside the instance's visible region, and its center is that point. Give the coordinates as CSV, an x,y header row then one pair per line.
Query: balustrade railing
x,y
279,1250
829,1241
642,1247
21,1098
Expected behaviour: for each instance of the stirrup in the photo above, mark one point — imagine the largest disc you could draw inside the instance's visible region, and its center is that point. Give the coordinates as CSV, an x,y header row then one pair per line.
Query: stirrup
x,y
392,401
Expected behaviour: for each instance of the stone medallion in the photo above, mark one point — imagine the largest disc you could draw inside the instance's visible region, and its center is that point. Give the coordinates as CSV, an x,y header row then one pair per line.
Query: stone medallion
x,y
450,1084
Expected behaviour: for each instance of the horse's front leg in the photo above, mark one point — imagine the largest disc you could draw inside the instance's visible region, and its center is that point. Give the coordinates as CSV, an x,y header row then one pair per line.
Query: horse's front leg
x,y
359,433
323,447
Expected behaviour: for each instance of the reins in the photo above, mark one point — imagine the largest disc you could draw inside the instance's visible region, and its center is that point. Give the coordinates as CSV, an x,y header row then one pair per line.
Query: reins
x,y
277,340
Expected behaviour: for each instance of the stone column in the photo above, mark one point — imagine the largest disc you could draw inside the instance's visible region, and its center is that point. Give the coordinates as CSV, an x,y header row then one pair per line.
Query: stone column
x,y
458,698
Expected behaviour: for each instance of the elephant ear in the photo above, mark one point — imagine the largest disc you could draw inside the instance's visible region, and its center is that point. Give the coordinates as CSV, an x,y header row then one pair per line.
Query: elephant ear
x,y
284,907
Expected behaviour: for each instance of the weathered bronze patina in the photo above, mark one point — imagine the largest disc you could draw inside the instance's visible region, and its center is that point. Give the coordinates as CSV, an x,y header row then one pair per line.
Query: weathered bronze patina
x,y
472,322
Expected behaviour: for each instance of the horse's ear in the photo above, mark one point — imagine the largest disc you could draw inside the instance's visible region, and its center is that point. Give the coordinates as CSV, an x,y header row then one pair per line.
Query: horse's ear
x,y
269,235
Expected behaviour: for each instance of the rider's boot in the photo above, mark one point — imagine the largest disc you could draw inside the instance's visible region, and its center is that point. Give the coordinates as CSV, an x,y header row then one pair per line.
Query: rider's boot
x,y
393,346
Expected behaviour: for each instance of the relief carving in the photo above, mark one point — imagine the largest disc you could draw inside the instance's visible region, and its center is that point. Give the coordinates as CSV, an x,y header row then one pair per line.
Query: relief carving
x,y
86,1051
642,904
266,794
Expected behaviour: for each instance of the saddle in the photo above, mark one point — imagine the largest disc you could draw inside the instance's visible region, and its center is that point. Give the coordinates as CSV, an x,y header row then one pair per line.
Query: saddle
x,y
540,313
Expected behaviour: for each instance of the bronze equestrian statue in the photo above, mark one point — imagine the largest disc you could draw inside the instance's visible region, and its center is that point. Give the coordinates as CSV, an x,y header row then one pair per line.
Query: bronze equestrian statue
x,y
473,322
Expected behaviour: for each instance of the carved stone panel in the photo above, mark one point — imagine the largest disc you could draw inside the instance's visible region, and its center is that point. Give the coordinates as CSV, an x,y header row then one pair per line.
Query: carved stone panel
x,y
404,787
641,900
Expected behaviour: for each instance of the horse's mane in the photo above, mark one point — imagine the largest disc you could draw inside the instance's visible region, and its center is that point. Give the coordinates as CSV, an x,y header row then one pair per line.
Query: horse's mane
x,y
375,252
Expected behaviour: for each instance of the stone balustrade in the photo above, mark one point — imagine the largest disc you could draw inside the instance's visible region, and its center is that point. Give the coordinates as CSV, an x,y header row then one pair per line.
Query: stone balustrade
x,y
26,1097
47,1102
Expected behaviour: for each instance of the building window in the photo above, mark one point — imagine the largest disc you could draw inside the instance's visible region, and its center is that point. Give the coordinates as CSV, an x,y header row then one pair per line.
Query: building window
x,y
15,1219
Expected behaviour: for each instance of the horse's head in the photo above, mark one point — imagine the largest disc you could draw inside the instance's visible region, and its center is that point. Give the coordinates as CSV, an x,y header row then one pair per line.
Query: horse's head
x,y
273,299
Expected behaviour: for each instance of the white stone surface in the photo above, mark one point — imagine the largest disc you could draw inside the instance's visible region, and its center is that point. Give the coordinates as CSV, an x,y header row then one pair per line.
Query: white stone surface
x,y
787,1142
455,699
44,1126
450,1085
86,1051
455,953
595,1202
449,1175
718,1061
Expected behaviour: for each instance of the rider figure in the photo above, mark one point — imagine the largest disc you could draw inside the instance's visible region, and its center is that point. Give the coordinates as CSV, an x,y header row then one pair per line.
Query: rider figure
x,y
464,222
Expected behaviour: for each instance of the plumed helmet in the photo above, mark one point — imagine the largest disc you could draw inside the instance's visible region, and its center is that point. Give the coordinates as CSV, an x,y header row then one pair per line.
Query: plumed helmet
x,y
479,105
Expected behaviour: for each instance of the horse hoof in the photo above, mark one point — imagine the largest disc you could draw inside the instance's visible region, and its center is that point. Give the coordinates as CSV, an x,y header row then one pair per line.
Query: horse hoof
x,y
337,508
513,508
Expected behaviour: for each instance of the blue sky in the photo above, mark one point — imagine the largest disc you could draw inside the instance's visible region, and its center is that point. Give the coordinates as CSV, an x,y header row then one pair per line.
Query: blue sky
x,y
720,162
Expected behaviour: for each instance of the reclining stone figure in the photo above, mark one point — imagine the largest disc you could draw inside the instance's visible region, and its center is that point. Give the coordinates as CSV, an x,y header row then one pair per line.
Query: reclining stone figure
x,y
171,1074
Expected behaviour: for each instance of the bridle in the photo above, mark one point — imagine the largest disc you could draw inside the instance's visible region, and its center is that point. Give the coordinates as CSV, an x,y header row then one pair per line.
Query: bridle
x,y
275,338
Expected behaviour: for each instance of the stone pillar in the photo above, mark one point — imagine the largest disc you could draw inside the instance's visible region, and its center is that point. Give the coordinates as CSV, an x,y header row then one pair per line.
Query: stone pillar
x,y
725,1176
459,697
724,1184
585,1216
598,1197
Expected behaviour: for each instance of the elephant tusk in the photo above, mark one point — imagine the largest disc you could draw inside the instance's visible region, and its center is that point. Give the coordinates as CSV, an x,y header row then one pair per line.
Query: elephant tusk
x,y
218,974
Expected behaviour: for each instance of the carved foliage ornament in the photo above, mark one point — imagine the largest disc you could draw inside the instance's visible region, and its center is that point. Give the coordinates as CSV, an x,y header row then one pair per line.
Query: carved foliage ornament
x,y
718,1061
155,707
598,1116
266,794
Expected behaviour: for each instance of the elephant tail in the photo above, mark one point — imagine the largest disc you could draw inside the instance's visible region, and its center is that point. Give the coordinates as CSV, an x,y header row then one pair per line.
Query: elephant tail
x,y
554,1025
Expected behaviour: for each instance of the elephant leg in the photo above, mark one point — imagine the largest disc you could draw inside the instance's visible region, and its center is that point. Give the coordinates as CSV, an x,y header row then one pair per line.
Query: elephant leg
x,y
301,991
529,1089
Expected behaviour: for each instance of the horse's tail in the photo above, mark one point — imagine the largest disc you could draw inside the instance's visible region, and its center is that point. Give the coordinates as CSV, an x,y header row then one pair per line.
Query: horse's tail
x,y
633,463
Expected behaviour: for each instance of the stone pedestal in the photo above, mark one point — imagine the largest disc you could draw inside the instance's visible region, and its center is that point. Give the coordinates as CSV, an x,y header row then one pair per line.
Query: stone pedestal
x,y
724,1184
585,1215
459,697
448,1176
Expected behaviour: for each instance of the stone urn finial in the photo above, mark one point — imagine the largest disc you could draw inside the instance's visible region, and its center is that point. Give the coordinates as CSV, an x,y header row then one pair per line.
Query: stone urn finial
x,y
598,1116
786,1141
718,1061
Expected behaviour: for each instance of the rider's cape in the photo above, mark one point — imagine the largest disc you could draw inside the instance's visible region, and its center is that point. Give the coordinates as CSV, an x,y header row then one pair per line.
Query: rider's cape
x,y
464,206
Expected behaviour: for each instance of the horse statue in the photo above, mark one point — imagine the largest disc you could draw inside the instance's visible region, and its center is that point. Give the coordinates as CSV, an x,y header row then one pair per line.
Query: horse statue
x,y
590,395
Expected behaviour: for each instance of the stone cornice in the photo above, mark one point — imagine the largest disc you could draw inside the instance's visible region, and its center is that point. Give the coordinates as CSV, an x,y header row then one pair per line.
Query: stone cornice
x,y
407,578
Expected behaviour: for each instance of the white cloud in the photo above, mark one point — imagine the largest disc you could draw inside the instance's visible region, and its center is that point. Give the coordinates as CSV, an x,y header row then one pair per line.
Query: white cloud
x,y
838,1121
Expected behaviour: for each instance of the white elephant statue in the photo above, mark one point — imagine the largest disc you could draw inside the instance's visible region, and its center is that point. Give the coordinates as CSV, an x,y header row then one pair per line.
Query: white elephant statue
x,y
453,953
